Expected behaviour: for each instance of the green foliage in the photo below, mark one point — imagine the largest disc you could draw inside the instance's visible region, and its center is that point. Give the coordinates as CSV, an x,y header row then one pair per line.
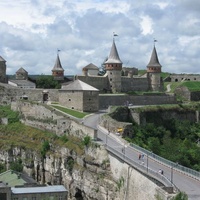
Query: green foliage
x,y
2,167
5,111
64,138
174,140
180,196
16,165
45,148
47,82
87,140
164,74
192,85
120,183
70,164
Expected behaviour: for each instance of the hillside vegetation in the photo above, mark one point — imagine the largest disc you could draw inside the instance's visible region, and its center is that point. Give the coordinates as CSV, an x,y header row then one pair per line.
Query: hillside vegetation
x,y
17,134
173,139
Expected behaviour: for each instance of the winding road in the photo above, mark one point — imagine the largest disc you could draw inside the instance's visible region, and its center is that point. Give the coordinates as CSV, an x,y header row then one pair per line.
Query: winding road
x,y
149,165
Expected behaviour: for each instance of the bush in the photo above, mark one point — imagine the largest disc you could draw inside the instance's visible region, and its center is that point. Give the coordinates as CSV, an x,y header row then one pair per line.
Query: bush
x,y
45,148
87,140
2,168
17,165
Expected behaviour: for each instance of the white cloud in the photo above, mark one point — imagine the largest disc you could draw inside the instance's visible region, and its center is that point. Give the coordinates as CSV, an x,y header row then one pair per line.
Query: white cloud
x,y
146,25
31,31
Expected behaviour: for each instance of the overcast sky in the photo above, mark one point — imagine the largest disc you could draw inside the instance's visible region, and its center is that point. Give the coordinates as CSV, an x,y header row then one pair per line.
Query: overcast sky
x,y
31,32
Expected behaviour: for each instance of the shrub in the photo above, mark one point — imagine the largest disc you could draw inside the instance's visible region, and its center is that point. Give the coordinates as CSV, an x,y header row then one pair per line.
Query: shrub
x,y
16,165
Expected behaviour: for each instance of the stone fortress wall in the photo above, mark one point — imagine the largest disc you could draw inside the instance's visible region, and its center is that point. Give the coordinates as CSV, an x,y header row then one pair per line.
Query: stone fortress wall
x,y
135,100
9,94
47,118
184,77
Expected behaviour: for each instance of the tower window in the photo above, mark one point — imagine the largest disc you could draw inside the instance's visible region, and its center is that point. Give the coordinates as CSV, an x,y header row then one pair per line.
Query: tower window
x,y
110,79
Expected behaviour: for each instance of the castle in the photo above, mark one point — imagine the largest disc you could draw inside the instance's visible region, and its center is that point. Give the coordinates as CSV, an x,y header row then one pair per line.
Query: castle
x,y
83,92
117,79
121,80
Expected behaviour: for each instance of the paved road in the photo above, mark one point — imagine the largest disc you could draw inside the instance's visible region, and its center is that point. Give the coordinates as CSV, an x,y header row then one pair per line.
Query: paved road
x,y
119,147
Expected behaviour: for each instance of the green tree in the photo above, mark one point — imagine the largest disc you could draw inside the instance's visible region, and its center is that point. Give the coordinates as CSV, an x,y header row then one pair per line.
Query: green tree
x,y
17,165
47,82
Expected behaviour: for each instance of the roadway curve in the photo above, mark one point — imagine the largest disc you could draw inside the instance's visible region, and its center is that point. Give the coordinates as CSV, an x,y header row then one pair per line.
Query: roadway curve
x,y
119,147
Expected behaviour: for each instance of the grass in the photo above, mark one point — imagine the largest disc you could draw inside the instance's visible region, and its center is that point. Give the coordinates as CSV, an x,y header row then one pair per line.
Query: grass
x,y
71,112
191,85
19,135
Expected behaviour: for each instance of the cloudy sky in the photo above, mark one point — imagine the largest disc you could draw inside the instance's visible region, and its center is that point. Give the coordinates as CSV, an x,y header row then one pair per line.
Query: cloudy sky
x,y
31,32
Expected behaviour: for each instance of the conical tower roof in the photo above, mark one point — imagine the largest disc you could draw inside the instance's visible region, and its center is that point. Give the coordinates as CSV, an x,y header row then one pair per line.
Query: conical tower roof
x,y
154,62
114,56
57,66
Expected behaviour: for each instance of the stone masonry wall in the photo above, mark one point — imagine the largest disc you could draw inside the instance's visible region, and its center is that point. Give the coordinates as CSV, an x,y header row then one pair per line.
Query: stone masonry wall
x,y
134,84
118,100
47,118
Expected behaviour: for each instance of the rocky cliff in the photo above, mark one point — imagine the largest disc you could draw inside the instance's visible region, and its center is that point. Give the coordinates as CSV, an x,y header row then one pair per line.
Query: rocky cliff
x,y
90,173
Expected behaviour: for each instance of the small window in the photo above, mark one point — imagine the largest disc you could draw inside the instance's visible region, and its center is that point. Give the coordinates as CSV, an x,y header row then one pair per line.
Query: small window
x,y
110,79
69,99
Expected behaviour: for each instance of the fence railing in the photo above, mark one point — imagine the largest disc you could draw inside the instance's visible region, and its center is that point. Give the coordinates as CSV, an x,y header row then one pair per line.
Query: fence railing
x,y
143,168
189,172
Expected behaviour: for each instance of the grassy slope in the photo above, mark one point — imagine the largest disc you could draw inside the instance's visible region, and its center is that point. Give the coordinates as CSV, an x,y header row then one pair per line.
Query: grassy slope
x,y
191,85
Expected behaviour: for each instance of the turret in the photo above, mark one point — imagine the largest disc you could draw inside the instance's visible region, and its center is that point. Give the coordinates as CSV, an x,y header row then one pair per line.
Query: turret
x,y
58,71
113,67
21,74
2,70
154,71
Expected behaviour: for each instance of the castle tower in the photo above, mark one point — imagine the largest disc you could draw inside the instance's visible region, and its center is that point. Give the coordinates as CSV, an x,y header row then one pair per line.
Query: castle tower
x,y
154,71
21,74
58,71
2,70
113,67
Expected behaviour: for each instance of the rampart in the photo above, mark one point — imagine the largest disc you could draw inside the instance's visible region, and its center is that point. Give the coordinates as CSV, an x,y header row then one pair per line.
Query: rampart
x,y
134,84
47,118
182,77
105,100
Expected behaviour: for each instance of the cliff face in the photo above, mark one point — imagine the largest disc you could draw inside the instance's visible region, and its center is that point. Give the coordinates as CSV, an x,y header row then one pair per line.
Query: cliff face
x,y
94,175
86,177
